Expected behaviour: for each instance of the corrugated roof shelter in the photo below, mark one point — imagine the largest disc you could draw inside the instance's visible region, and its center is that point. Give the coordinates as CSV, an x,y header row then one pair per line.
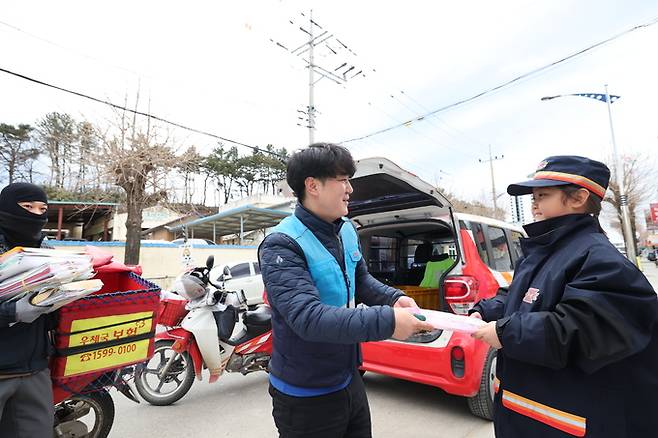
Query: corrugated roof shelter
x,y
65,214
236,221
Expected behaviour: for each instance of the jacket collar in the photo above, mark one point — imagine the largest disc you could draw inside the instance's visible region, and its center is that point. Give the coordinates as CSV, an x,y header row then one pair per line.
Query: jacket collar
x,y
547,233
317,225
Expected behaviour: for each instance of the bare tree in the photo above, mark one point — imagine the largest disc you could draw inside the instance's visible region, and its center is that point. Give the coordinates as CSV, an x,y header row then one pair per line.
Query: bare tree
x,y
17,152
137,159
640,183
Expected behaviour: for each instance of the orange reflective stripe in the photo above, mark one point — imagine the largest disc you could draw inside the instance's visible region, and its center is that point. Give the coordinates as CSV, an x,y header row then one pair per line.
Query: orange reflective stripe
x,y
564,421
496,384
574,179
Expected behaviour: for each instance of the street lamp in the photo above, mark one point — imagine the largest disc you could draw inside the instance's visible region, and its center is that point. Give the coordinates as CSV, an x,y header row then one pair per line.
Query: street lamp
x,y
629,239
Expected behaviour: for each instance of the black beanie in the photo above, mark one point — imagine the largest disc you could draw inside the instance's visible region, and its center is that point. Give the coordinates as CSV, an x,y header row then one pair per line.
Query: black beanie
x,y
19,226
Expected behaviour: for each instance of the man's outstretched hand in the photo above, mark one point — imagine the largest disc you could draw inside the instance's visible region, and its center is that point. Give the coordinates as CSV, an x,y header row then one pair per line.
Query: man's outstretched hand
x,y
406,324
406,302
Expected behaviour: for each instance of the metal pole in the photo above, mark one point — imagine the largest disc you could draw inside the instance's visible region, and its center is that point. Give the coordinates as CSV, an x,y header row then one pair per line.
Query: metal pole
x,y
241,228
493,183
311,104
60,216
629,239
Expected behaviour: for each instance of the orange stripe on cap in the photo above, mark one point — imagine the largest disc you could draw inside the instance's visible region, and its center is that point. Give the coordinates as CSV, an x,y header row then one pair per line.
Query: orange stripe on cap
x,y
564,421
573,179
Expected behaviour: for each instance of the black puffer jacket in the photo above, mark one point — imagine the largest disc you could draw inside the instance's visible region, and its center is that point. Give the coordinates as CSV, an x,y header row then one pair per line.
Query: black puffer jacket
x,y
24,347
579,329
316,345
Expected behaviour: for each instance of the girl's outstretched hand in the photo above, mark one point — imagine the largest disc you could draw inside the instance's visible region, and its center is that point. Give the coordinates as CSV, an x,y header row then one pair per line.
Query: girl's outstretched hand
x,y
487,333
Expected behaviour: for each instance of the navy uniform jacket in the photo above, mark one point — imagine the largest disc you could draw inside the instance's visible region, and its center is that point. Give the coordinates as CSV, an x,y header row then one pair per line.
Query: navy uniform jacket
x,y
580,339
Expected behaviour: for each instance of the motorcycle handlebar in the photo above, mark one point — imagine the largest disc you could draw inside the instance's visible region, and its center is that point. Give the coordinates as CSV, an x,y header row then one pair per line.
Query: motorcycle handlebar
x,y
220,295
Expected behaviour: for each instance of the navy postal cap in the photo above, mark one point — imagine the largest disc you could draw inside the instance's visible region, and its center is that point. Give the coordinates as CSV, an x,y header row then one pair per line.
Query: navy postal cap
x,y
561,170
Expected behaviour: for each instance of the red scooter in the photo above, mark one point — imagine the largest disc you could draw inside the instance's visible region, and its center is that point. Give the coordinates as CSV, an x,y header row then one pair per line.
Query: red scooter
x,y
209,327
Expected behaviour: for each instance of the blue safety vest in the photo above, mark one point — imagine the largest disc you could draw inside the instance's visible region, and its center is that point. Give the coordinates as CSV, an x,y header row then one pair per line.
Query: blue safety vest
x,y
336,286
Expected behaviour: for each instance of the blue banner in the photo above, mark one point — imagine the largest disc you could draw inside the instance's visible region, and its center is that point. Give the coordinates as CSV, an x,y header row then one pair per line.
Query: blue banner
x,y
598,96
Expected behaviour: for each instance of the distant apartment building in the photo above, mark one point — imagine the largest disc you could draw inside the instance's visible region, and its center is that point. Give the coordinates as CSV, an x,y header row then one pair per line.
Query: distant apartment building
x,y
519,208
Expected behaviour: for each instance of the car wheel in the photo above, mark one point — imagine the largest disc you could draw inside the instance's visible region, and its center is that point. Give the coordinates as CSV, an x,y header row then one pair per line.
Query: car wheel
x,y
482,404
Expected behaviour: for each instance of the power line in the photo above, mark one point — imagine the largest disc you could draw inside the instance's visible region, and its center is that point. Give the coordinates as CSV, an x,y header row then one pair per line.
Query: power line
x,y
68,49
422,134
505,84
439,120
327,41
344,67
140,113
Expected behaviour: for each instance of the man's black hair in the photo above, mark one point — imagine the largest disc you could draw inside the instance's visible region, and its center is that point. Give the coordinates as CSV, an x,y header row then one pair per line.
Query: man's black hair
x,y
321,161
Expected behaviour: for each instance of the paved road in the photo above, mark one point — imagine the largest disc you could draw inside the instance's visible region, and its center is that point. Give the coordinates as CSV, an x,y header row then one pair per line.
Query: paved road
x,y
239,406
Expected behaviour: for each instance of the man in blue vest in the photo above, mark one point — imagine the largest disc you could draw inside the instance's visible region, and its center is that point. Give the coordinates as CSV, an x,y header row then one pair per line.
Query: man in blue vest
x,y
314,274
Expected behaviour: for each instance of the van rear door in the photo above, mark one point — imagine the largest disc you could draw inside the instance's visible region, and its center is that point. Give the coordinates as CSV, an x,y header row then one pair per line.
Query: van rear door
x,y
384,192
395,205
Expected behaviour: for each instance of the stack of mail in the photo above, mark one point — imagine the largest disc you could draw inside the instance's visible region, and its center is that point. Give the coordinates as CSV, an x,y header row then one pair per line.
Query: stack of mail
x,y
66,293
450,321
39,270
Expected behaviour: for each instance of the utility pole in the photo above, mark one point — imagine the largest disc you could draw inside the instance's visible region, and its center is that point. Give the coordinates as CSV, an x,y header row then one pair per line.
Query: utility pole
x,y
340,67
623,197
493,181
311,82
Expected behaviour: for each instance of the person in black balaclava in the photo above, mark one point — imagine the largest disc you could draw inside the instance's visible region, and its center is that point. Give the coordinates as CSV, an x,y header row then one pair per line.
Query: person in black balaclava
x,y
23,209
26,399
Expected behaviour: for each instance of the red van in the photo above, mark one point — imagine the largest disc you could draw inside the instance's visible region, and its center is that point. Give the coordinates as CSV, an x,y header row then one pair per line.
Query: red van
x,y
412,239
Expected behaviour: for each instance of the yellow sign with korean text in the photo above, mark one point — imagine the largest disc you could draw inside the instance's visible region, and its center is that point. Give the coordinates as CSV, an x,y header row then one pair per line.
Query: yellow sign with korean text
x,y
110,328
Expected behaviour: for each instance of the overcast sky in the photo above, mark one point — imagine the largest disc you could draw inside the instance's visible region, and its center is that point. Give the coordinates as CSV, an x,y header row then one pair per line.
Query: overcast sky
x,y
212,66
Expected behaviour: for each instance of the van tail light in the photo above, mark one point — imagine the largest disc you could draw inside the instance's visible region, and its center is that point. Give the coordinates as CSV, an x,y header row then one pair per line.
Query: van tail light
x,y
460,292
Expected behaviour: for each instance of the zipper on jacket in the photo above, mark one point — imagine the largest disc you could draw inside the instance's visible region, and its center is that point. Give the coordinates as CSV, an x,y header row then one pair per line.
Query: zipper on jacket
x,y
343,268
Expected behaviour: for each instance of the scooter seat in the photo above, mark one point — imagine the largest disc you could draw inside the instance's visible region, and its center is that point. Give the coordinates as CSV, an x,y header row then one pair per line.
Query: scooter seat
x,y
262,316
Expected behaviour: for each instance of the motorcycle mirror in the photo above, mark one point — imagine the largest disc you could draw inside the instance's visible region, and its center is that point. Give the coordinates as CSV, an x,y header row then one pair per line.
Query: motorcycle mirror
x,y
210,262
226,275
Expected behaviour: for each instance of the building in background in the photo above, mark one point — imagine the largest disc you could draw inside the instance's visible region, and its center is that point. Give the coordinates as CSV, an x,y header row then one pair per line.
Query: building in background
x,y
520,210
242,222
80,220
651,220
